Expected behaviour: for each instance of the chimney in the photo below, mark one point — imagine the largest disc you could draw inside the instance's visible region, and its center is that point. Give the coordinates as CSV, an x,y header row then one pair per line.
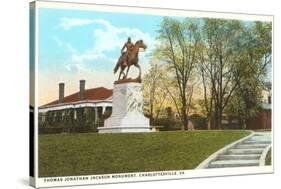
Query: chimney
x,y
61,92
269,99
82,90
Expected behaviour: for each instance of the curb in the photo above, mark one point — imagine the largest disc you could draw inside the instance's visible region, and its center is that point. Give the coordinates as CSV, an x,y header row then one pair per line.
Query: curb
x,y
204,164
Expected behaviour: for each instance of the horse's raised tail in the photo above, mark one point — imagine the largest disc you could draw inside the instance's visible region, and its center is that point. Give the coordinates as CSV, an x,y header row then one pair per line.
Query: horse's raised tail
x,y
116,67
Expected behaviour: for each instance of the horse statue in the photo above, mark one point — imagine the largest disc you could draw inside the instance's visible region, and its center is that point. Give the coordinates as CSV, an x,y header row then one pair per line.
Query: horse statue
x,y
129,58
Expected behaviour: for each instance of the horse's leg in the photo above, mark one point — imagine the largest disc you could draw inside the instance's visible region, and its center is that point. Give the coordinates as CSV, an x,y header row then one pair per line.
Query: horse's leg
x,y
119,75
121,71
123,74
128,68
138,66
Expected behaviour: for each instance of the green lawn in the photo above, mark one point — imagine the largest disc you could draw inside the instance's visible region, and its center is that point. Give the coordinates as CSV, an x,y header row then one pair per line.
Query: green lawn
x,y
92,153
268,158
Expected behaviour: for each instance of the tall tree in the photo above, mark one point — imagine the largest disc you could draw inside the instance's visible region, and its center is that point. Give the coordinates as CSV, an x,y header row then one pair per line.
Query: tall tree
x,y
252,66
178,49
217,65
233,59
154,92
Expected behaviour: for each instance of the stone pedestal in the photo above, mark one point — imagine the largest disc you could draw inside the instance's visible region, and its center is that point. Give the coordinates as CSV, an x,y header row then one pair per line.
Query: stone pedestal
x,y
127,110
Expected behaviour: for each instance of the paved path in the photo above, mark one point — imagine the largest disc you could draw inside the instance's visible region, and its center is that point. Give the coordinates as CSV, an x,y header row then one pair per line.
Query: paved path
x,y
244,154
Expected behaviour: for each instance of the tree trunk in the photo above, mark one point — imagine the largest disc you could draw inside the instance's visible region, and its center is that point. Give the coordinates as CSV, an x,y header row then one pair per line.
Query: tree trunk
x,y
151,111
216,118
185,118
209,122
244,125
219,123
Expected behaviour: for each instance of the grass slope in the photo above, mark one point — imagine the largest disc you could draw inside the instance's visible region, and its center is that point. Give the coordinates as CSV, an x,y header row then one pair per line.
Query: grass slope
x,y
268,158
92,153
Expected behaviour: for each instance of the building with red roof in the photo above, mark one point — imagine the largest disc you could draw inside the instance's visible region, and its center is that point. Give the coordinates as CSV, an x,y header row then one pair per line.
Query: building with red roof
x,y
84,109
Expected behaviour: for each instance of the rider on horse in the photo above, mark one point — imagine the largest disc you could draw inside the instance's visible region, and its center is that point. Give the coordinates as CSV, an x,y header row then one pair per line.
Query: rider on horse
x,y
129,47
129,58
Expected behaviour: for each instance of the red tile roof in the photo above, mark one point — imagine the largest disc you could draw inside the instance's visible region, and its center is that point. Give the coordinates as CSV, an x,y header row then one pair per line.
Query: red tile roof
x,y
99,93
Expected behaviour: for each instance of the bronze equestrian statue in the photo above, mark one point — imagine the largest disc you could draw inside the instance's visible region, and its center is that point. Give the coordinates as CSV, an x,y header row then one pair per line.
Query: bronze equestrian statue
x,y
129,58
129,46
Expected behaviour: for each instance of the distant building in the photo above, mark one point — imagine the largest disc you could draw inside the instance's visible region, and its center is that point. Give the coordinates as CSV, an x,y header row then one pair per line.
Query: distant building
x,y
79,112
263,118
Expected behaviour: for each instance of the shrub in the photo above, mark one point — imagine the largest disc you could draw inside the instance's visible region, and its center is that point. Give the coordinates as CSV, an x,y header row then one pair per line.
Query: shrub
x,y
50,130
199,121
167,125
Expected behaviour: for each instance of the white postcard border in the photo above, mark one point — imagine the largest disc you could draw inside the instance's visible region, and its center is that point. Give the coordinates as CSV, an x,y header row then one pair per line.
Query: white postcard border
x,y
181,174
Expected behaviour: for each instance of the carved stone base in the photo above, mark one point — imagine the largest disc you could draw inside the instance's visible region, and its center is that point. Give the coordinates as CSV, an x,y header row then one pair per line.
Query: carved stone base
x,y
127,110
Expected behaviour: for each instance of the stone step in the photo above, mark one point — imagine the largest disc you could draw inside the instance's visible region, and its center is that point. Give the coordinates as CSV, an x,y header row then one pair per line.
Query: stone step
x,y
260,138
238,157
243,146
245,151
256,142
233,163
